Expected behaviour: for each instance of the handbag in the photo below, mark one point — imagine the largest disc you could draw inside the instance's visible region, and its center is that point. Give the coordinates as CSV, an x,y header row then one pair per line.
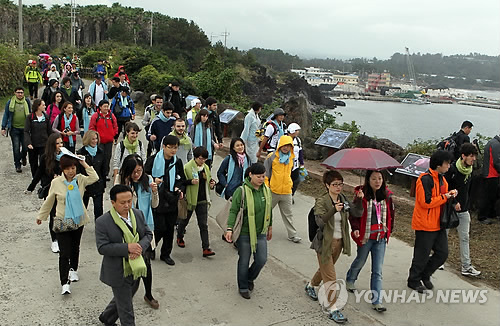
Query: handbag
x,y
449,217
219,188
223,215
43,192
64,225
168,200
182,209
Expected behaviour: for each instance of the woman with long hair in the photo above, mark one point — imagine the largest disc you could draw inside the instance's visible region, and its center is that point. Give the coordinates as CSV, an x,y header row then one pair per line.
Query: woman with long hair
x,y
37,129
145,198
202,134
231,173
66,192
87,109
47,170
256,227
94,156
54,108
66,123
331,213
371,233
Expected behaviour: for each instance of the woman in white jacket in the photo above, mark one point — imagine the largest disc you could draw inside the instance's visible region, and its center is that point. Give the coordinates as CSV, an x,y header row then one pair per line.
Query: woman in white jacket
x,y
251,126
129,145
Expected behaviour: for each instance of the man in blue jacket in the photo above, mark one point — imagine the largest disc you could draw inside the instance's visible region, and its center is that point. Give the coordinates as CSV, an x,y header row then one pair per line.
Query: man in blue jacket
x,y
15,113
123,108
162,125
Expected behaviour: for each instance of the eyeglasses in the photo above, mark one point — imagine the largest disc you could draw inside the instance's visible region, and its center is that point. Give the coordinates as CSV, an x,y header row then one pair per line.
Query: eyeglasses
x,y
172,147
19,92
337,184
201,158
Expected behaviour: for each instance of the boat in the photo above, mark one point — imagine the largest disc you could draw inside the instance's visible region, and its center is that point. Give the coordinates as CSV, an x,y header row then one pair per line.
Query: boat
x,y
415,101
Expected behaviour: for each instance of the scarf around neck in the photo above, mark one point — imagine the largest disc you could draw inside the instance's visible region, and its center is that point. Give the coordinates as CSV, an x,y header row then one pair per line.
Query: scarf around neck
x,y
279,126
91,150
87,114
184,140
382,210
159,169
285,158
74,206
190,170
124,100
135,267
230,170
144,203
15,101
131,147
67,122
198,138
163,117
463,169
251,213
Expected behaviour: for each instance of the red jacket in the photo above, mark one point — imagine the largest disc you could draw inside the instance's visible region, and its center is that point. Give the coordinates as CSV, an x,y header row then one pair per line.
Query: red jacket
x,y
429,197
359,223
106,126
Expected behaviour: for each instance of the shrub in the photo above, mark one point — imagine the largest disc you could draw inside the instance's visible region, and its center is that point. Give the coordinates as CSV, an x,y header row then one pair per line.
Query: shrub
x,y
90,58
12,64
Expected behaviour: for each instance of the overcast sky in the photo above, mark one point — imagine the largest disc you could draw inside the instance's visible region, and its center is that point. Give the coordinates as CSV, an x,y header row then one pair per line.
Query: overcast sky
x,y
340,29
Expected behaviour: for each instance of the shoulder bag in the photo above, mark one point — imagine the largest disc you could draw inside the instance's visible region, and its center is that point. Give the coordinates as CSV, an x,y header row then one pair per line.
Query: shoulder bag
x,y
223,215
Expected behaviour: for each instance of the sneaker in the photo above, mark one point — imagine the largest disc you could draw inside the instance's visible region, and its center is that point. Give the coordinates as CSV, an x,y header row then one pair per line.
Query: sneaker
x,y
54,247
181,243
245,295
311,291
295,239
337,317
66,289
19,170
350,287
441,268
208,252
73,275
379,308
470,271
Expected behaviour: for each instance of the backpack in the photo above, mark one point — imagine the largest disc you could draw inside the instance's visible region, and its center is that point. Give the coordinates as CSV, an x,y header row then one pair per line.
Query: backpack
x,y
122,149
311,224
448,144
263,130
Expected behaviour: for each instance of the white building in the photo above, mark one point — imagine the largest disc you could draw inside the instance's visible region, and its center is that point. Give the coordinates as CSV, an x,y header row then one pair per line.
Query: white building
x,y
317,76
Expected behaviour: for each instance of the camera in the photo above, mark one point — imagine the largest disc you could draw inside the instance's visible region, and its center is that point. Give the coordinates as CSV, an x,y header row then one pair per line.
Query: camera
x,y
67,129
347,207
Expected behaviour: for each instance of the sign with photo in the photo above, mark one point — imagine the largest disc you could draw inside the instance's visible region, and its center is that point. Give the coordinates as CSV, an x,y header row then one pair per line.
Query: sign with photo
x,y
333,138
414,165
228,115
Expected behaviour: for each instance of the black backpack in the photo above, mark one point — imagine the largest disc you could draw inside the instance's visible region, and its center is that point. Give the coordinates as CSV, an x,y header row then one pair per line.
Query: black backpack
x,y
449,144
312,226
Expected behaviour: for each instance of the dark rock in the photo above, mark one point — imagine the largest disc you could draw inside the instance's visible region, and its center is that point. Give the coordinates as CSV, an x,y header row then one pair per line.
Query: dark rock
x,y
138,96
297,110
385,145
312,151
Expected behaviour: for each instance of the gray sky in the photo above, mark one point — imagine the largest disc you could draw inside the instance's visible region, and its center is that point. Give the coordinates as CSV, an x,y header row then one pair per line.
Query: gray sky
x,y
340,29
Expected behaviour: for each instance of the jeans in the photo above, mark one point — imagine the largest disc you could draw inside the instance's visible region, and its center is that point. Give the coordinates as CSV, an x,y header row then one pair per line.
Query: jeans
x,y
463,237
202,217
377,249
69,254
245,274
18,147
423,266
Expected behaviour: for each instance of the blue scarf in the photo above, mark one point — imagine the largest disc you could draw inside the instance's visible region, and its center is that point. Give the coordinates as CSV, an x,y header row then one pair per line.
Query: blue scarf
x,y
163,117
144,204
86,118
159,168
58,156
91,150
74,206
67,122
285,158
124,100
198,138
230,171
281,131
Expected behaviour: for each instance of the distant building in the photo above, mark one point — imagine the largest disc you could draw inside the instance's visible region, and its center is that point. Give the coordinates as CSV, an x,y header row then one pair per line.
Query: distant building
x,y
376,81
317,76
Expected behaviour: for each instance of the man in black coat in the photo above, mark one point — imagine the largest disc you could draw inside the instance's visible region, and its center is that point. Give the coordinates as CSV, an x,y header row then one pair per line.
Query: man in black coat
x,y
213,119
172,94
462,137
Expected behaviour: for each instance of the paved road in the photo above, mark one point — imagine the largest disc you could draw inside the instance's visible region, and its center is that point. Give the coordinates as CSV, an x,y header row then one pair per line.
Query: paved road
x,y
197,290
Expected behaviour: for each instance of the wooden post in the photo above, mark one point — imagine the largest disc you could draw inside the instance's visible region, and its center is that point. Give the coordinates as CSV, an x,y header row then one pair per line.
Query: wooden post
x,y
225,130
413,187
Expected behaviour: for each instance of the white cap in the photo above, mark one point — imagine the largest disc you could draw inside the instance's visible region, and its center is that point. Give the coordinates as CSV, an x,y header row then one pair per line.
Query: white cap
x,y
194,102
293,127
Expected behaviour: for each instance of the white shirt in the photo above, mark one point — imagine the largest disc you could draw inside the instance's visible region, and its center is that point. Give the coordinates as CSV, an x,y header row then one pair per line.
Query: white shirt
x,y
270,133
337,226
126,220
99,93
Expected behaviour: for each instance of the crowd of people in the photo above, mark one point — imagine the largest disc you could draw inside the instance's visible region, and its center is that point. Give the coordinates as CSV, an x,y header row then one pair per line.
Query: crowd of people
x,y
158,186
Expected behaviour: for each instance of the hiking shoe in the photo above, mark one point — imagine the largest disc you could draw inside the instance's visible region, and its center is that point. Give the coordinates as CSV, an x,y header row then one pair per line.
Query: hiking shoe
x,y
251,285
295,239
73,275
428,284
379,308
311,291
19,170
54,247
337,317
245,295
350,287
441,268
418,287
470,271
66,289
181,243
208,252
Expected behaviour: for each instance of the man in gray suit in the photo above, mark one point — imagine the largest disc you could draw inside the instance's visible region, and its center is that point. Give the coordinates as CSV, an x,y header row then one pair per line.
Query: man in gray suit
x,y
122,237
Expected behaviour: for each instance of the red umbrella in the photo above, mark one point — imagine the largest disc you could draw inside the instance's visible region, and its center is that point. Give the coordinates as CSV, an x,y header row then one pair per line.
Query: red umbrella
x,y
360,159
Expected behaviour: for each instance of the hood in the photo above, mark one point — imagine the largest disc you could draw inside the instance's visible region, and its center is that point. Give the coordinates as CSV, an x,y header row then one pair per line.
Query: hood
x,y
121,67
285,140
67,65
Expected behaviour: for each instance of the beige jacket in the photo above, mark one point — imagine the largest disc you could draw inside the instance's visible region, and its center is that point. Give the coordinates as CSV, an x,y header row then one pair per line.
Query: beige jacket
x,y
57,192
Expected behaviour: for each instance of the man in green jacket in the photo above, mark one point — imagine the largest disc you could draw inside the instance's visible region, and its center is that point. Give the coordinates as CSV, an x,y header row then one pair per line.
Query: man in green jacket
x,y
33,77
